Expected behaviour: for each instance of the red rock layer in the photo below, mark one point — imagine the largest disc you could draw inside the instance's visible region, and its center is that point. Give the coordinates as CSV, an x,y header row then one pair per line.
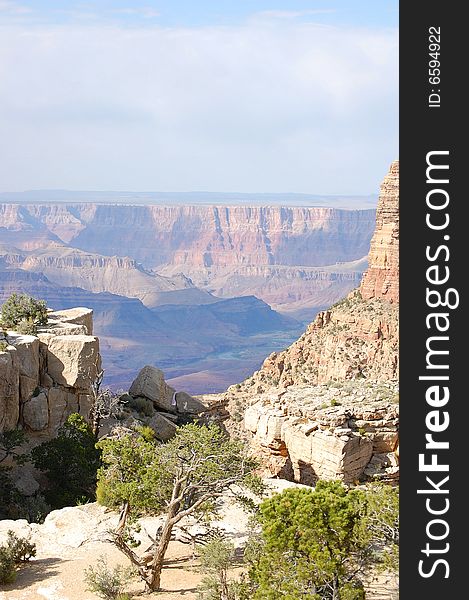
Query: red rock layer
x,y
381,280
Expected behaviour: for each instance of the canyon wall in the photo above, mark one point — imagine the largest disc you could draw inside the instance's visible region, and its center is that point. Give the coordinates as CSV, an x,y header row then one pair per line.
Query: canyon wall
x,y
382,277
194,236
46,377
327,406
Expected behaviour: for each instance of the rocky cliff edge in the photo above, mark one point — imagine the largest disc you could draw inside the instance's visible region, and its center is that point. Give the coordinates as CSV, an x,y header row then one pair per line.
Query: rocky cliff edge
x,y
45,378
327,406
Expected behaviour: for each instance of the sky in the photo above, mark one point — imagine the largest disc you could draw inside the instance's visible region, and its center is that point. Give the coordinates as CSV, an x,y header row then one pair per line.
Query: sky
x,y
206,95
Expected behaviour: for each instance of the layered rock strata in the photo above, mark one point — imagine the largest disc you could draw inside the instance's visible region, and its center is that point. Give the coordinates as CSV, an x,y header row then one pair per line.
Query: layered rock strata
x,y
327,406
192,237
382,277
327,432
45,378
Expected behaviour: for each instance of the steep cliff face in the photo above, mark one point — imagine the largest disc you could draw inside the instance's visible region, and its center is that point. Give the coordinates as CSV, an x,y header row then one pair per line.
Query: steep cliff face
x,y
298,259
357,337
45,378
196,236
326,407
382,277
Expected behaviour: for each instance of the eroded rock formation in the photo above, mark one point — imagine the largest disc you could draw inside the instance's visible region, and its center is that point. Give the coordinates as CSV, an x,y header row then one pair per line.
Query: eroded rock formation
x,y
45,378
327,406
382,277
168,408
194,236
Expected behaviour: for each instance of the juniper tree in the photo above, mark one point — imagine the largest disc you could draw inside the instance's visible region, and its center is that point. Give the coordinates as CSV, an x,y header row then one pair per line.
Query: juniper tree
x,y
184,476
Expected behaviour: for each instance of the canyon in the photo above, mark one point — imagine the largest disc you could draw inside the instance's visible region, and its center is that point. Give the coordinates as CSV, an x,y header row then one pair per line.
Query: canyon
x,y
145,269
328,405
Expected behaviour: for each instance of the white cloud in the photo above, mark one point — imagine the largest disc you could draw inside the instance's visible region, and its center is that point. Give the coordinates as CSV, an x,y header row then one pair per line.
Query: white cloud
x,y
266,106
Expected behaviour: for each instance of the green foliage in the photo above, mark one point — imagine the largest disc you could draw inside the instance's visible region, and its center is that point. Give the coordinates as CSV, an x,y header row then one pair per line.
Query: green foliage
x,y
70,461
26,328
142,471
184,476
317,543
32,508
17,550
24,311
215,559
9,441
7,566
20,548
3,346
380,524
8,494
11,500
311,545
335,402
107,582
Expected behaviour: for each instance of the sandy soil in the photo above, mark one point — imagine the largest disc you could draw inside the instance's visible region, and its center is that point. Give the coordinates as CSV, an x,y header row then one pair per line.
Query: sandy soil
x,y
54,578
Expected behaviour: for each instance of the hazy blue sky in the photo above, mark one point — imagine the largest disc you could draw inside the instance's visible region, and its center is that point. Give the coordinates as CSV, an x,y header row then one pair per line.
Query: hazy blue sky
x,y
217,95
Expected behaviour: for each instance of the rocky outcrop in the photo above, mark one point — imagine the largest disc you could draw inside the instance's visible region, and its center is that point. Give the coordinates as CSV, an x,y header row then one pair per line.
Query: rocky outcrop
x,y
330,431
304,430
353,339
358,336
382,277
150,384
9,388
163,406
45,378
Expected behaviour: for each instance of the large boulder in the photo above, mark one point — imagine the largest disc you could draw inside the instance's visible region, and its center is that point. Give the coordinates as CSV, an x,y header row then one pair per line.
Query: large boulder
x,y
9,389
163,427
150,384
323,455
62,404
36,413
187,404
73,360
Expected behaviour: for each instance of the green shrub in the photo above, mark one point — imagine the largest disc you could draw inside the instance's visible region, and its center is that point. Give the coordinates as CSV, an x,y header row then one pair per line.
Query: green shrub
x,y
70,461
26,328
107,582
3,346
215,559
21,308
7,566
305,536
17,550
20,548
10,498
33,508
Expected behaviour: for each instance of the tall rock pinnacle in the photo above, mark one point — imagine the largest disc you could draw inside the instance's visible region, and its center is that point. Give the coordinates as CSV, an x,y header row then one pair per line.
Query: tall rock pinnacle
x,y
381,280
